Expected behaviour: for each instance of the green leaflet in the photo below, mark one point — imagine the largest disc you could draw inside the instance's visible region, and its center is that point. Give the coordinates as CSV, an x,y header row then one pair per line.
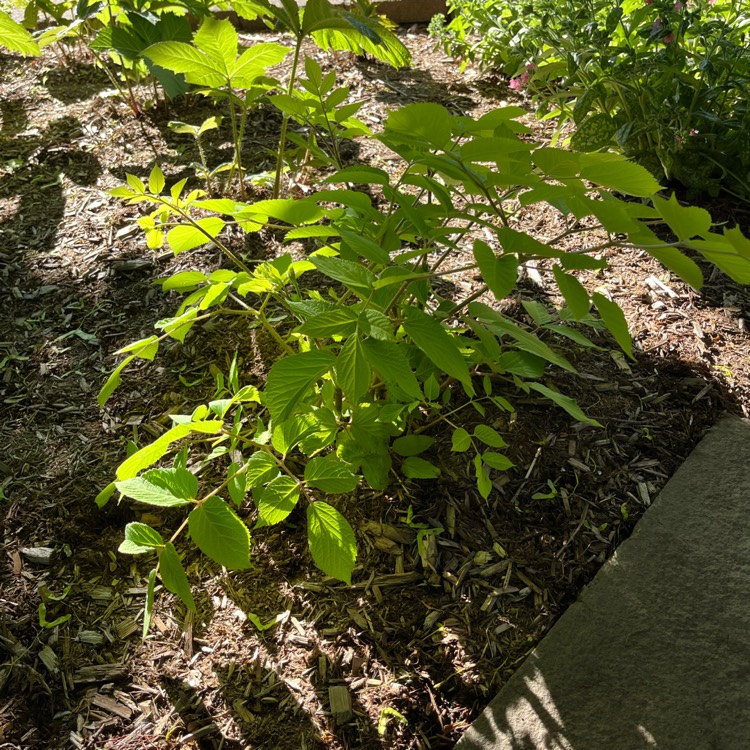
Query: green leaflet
x,y
412,445
497,461
573,291
524,340
329,474
220,534
566,402
289,379
187,237
113,382
417,468
353,373
331,539
390,362
353,275
489,436
499,273
614,319
276,501
460,440
140,538
437,344
143,491
261,469
423,123
173,575
150,454
341,321
14,37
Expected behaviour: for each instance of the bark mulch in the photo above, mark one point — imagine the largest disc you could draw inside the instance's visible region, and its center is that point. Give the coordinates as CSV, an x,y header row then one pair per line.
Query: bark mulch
x,y
451,592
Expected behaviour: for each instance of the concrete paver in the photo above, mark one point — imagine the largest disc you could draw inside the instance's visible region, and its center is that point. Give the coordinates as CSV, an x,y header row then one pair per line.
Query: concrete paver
x,y
656,652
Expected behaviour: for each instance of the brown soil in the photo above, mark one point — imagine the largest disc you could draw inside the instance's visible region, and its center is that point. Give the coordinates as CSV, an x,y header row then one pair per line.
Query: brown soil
x,y
429,636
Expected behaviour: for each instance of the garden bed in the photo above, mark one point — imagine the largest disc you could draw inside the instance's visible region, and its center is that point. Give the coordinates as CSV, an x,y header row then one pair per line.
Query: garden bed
x,y
420,642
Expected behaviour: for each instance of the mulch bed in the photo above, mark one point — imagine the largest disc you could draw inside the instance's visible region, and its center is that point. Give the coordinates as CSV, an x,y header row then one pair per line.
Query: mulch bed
x,y
429,631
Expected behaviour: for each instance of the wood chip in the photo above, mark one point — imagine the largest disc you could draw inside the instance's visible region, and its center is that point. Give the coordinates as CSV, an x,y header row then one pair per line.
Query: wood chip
x,y
341,704
111,705
100,673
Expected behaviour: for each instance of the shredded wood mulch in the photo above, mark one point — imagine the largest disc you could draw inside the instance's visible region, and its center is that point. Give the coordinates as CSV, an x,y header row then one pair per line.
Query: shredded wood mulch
x,y
442,610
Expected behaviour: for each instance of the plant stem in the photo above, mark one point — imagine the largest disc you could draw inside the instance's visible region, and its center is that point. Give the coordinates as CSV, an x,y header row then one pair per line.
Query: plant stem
x,y
285,120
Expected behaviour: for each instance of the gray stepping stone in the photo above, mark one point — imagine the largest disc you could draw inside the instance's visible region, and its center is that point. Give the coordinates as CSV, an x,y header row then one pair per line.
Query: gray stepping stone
x,y
656,652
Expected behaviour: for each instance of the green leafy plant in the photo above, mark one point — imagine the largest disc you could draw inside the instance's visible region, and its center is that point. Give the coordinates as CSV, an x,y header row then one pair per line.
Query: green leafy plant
x,y
15,37
319,105
202,170
330,28
212,63
666,82
375,360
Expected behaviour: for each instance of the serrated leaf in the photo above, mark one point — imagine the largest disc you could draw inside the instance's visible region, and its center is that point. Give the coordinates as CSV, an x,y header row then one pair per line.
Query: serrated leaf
x,y
497,461
144,491
276,501
236,484
261,469
353,373
617,173
173,575
150,454
614,319
437,344
566,402
156,180
499,273
460,440
254,62
575,294
218,39
390,362
332,542
339,322
143,349
329,474
184,282
140,538
187,237
421,123
684,221
14,37
418,468
412,445
353,275
489,436
180,482
179,57
290,377
219,533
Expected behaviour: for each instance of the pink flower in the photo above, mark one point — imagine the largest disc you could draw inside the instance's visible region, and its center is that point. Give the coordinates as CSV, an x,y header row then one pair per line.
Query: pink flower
x,y
678,6
648,2
668,38
693,133
520,81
